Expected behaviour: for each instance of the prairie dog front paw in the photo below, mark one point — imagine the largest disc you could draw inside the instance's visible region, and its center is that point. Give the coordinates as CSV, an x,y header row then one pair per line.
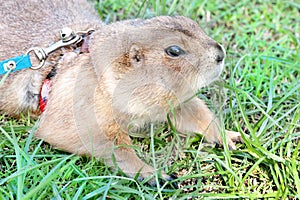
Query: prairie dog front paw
x,y
232,138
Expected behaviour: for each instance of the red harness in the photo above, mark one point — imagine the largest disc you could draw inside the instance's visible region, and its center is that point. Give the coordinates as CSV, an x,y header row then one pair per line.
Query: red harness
x,y
44,95
47,84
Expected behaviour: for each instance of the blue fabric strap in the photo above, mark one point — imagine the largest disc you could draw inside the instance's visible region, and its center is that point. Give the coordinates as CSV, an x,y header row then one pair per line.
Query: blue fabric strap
x,y
21,62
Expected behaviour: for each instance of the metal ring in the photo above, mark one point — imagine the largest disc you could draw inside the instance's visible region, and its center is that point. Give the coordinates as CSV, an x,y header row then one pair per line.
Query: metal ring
x,y
39,54
10,65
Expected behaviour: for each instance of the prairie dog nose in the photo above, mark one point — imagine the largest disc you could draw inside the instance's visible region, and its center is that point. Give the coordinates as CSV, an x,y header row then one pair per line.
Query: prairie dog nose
x,y
221,53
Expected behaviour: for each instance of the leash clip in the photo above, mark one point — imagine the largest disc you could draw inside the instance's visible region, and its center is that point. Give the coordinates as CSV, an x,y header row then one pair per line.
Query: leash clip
x,y
67,37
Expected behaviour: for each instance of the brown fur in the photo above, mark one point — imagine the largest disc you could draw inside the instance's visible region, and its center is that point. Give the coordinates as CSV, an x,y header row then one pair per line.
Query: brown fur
x,y
125,79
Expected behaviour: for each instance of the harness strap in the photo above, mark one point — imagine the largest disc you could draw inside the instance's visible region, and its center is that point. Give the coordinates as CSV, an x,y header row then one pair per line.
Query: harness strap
x,y
44,95
15,63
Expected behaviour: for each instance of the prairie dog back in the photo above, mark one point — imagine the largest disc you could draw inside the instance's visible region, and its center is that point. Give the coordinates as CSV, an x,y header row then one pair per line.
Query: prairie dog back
x,y
37,22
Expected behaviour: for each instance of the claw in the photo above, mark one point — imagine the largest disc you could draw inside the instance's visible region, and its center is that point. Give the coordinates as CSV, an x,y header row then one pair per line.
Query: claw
x,y
162,181
174,183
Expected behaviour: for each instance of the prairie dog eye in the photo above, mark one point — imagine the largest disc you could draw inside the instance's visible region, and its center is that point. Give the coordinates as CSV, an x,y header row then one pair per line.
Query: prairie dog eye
x,y
174,51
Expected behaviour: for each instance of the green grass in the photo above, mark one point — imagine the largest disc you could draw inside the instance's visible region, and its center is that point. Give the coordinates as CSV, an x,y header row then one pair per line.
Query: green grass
x,y
259,96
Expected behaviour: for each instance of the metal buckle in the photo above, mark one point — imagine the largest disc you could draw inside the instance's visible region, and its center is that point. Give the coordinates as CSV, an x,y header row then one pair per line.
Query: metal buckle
x,y
67,38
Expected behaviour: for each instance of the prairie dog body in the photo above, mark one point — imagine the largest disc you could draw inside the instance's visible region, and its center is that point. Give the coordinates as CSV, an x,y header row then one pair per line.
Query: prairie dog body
x,y
131,75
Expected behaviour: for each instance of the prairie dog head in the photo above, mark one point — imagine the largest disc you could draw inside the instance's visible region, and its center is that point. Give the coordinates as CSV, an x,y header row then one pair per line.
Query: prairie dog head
x,y
154,63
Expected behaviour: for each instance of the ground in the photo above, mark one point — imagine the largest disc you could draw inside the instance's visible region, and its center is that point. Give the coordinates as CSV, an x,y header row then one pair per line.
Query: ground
x,y
258,95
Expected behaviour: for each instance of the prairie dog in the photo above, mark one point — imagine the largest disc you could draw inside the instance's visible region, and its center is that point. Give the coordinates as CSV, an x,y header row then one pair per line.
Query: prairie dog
x,y
132,74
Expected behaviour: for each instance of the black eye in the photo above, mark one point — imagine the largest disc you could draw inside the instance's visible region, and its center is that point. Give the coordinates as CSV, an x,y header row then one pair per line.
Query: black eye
x,y
174,51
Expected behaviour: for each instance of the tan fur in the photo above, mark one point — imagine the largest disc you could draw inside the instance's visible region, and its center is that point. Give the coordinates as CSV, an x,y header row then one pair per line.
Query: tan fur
x,y
126,79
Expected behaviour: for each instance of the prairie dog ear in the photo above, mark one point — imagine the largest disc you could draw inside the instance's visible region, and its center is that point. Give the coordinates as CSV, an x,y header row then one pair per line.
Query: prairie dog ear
x,y
136,56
